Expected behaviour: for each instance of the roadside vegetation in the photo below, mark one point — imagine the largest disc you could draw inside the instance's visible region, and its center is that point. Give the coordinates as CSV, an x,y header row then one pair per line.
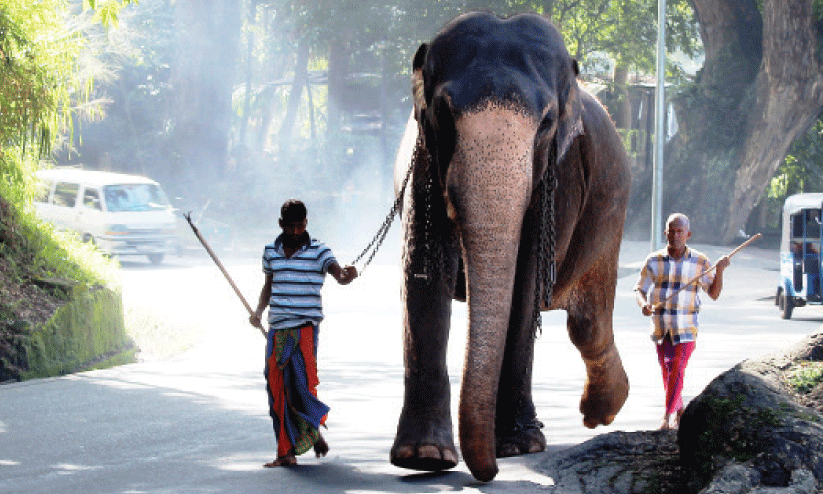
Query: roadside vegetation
x,y
40,92
38,264
805,376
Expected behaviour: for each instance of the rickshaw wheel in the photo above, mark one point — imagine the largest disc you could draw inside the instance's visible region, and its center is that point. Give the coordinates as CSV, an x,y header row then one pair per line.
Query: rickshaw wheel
x,y
786,306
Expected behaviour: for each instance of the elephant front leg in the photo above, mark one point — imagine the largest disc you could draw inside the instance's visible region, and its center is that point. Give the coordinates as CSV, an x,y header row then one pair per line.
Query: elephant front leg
x,y
424,439
517,429
590,329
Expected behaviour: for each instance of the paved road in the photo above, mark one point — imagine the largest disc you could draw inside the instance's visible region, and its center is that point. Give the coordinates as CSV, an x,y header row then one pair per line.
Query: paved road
x,y
197,422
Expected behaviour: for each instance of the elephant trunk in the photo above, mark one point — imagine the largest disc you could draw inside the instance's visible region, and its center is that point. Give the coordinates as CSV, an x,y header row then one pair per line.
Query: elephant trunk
x,y
488,187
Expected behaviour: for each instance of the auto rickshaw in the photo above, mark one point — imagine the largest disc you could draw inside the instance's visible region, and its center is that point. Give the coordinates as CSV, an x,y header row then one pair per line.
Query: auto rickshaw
x,y
800,244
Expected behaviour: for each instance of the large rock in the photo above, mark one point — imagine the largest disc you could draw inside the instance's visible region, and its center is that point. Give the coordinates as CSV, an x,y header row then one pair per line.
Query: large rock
x,y
752,415
756,429
617,463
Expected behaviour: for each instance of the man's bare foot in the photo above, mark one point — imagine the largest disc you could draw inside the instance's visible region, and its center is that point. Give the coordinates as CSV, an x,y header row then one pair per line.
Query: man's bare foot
x,y
677,419
321,447
282,461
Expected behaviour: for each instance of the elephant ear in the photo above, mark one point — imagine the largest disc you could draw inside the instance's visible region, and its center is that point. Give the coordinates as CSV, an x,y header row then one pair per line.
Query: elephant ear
x,y
571,116
418,87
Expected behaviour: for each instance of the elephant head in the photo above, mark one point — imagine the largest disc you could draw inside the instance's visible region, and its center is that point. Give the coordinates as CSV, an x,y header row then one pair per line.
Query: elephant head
x,y
496,103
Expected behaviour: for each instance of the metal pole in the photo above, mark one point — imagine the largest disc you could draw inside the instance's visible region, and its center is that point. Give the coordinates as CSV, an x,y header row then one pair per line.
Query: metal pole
x,y
660,132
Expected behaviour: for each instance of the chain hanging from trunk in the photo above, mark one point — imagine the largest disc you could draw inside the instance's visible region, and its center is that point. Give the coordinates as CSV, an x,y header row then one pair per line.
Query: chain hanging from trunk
x,y
546,266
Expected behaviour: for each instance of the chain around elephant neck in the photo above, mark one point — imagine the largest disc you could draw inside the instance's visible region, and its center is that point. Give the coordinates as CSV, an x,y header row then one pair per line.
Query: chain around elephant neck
x,y
546,267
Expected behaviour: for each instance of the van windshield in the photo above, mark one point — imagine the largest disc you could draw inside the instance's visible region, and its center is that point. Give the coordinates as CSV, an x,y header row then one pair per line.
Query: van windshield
x,y
135,197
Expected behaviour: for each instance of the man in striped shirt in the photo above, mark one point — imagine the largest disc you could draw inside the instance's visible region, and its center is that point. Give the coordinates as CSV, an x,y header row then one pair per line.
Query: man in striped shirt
x,y
295,267
674,314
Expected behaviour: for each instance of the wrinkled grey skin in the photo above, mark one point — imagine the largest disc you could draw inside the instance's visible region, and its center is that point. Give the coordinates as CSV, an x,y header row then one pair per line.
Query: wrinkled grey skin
x,y
492,98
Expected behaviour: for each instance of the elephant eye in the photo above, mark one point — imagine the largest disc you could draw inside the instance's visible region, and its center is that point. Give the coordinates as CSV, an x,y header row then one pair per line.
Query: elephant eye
x,y
547,127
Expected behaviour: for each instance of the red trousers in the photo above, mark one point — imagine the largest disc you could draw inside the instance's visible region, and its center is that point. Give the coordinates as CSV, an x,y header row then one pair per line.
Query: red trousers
x,y
673,360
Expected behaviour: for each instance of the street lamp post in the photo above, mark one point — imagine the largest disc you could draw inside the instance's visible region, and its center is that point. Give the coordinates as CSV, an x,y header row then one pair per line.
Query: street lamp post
x,y
660,131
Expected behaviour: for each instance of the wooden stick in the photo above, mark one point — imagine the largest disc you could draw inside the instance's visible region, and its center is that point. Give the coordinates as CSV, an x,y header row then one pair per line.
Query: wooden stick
x,y
223,270
696,278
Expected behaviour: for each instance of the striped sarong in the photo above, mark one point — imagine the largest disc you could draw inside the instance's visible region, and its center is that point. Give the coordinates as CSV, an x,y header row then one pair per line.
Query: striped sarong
x,y
291,383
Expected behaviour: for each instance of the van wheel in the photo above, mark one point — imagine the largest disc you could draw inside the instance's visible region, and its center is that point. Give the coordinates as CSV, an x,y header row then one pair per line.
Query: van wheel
x,y
155,258
777,297
786,306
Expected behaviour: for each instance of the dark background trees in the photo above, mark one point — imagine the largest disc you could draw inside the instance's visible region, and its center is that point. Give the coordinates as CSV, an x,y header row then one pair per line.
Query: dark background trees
x,y
758,91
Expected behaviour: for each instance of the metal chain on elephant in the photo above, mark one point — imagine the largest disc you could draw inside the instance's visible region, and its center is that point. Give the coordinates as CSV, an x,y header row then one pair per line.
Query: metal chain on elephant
x,y
546,267
434,257
378,239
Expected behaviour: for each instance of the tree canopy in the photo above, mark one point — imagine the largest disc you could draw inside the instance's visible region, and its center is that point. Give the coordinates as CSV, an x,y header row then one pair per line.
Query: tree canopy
x,y
212,96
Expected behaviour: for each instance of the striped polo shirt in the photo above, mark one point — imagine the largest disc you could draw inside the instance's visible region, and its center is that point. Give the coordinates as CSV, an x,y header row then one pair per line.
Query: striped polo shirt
x,y
296,283
661,276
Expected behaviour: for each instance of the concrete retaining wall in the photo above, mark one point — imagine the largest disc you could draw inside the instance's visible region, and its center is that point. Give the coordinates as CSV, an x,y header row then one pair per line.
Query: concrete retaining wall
x,y
86,333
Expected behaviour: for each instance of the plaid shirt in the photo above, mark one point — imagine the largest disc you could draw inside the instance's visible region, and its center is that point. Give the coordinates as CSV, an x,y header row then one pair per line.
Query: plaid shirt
x,y
661,276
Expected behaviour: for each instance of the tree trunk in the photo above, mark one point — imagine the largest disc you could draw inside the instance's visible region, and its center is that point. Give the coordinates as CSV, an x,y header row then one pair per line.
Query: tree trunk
x,y
301,78
788,99
208,33
244,121
623,113
758,90
338,68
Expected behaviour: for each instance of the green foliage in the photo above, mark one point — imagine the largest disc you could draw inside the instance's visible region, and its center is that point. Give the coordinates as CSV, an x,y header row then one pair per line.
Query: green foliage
x,y
34,249
87,333
38,89
106,11
805,376
37,54
40,85
801,171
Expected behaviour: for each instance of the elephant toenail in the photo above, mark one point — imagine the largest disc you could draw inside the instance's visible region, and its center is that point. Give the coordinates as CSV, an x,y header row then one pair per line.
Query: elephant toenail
x,y
429,451
448,455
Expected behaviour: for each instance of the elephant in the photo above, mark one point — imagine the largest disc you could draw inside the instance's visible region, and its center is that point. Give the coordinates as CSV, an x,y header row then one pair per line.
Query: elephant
x,y
514,199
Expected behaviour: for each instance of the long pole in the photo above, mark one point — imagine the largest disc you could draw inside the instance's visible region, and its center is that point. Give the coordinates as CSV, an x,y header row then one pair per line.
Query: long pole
x,y
693,280
660,132
222,270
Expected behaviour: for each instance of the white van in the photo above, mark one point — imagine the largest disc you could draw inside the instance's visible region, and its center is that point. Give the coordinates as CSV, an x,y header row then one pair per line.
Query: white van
x,y
122,214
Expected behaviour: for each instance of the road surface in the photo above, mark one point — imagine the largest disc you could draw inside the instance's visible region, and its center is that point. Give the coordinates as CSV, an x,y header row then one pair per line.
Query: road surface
x,y
197,422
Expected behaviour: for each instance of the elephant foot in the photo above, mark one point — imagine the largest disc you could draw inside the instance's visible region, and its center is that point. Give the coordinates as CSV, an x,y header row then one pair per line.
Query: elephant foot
x,y
429,448
521,441
426,457
605,392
